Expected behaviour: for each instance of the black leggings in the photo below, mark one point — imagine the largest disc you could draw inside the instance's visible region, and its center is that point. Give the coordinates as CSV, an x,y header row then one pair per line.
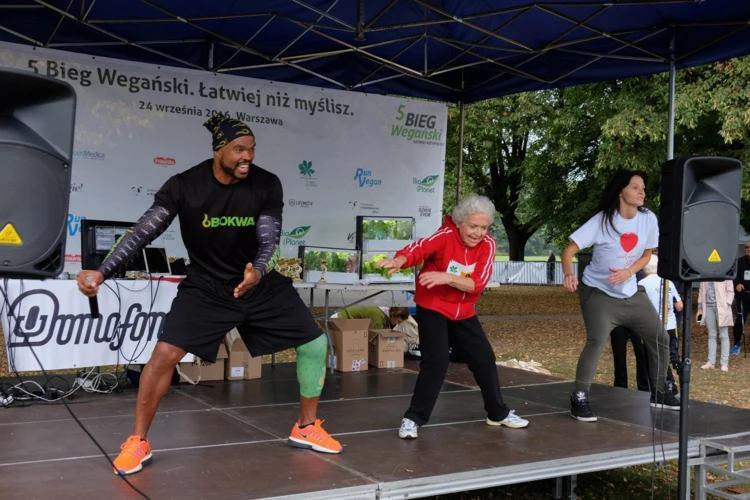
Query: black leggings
x,y
436,334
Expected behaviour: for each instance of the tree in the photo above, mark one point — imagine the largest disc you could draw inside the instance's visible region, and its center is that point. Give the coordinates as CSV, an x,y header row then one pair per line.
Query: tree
x,y
499,137
545,157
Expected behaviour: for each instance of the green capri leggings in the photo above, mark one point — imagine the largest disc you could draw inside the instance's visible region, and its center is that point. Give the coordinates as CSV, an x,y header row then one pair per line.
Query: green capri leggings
x,y
311,367
602,313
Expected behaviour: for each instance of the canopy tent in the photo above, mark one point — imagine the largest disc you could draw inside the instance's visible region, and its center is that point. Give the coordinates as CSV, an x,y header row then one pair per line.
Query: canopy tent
x,y
447,50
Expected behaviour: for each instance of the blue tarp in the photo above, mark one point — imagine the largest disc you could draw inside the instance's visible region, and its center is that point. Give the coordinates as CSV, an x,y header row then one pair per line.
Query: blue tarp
x,y
422,48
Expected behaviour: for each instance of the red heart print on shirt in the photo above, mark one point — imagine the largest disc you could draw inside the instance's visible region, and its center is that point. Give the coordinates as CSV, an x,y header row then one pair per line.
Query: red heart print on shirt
x,y
628,241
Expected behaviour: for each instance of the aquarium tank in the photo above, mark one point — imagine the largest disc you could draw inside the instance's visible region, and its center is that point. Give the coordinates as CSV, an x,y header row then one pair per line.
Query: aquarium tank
x,y
379,238
342,264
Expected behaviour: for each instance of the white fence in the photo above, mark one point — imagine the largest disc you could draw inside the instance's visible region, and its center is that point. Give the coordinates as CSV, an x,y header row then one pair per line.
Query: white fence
x,y
529,273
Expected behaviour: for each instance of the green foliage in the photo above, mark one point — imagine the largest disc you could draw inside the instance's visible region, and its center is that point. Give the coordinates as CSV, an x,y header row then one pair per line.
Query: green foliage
x,y
388,229
338,262
545,157
369,267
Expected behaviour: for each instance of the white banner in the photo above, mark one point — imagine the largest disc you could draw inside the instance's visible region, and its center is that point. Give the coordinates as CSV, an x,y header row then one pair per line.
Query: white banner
x,y
338,154
55,318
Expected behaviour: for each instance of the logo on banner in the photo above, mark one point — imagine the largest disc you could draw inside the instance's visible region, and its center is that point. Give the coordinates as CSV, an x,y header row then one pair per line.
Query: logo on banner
x,y
227,221
165,162
79,329
72,257
76,188
364,178
350,237
74,224
85,154
426,185
138,190
300,203
369,207
307,174
296,236
425,211
418,128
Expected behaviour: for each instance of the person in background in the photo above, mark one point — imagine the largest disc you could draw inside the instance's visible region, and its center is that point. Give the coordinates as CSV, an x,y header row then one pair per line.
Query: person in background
x,y
742,287
551,267
622,234
654,286
383,318
458,260
619,339
715,311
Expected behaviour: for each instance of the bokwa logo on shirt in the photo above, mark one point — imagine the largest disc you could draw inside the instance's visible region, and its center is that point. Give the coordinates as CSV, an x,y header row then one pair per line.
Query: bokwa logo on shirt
x,y
227,221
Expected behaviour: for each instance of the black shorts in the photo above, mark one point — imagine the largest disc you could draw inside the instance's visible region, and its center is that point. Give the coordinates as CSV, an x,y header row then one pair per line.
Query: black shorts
x,y
270,317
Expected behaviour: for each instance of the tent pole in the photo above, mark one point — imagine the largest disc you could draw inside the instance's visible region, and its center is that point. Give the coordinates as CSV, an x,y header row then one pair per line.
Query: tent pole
x,y
462,116
211,56
672,78
683,475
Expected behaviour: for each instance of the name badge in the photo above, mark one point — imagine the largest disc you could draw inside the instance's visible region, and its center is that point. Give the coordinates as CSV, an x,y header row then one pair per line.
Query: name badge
x,y
747,275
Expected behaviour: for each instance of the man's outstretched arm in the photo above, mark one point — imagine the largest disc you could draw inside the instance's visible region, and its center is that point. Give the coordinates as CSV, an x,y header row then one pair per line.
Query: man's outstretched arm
x,y
151,225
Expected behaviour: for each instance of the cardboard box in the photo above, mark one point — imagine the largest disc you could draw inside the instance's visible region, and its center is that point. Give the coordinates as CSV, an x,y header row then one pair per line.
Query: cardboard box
x,y
386,348
349,338
200,370
240,365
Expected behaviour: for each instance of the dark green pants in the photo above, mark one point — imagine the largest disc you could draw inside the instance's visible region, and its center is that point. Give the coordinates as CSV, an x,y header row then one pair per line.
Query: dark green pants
x,y
602,314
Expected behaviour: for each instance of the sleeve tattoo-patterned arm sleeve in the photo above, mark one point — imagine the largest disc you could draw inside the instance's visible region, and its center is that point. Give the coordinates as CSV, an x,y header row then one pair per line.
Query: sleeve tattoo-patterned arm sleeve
x,y
152,224
268,231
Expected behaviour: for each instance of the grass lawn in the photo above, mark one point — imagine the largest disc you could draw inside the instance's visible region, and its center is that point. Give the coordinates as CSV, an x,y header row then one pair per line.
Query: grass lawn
x,y
527,258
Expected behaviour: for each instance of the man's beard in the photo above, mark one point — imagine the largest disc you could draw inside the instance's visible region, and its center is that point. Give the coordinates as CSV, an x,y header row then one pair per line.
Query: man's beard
x,y
230,170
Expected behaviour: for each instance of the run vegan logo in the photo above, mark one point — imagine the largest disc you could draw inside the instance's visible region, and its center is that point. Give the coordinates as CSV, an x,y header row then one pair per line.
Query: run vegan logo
x,y
425,185
227,221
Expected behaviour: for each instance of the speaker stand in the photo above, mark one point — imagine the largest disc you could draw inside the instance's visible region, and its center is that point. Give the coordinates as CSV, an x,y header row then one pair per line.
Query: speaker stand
x,y
684,469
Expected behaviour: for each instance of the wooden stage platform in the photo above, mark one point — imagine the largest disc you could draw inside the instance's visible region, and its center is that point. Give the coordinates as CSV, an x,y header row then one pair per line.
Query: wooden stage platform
x,y
227,440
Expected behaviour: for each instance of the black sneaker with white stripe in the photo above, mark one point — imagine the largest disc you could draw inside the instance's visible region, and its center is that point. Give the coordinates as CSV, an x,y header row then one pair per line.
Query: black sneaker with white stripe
x,y
579,407
665,400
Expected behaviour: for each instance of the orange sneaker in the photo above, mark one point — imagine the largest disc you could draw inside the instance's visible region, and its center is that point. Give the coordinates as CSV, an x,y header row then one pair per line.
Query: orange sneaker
x,y
314,437
136,453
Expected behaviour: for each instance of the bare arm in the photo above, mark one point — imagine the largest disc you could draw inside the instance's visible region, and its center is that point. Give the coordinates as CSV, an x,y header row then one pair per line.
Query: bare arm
x,y
463,284
570,282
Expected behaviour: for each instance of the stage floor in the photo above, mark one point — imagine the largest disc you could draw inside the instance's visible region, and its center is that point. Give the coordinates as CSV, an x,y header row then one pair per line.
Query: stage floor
x,y
228,439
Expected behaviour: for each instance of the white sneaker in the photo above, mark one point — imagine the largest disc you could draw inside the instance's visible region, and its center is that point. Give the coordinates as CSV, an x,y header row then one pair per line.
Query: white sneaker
x,y
512,420
408,429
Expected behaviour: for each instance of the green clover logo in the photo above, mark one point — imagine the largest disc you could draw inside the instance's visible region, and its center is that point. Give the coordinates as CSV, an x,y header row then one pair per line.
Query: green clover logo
x,y
453,269
305,168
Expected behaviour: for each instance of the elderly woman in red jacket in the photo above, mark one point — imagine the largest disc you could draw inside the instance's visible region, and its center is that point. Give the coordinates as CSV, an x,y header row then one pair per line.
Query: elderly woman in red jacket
x,y
457,266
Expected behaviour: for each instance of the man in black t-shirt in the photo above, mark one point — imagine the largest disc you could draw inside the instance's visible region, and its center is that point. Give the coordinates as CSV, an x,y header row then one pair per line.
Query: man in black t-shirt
x,y
230,220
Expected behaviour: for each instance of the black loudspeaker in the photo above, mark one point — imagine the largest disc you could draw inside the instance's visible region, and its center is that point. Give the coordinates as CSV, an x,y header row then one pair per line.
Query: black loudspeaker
x,y
37,121
699,218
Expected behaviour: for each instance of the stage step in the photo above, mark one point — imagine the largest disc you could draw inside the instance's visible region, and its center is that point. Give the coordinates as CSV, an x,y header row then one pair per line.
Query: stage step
x,y
726,450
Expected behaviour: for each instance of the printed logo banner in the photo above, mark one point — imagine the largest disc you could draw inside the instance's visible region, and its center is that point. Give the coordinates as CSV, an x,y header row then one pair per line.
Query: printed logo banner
x,y
338,154
54,318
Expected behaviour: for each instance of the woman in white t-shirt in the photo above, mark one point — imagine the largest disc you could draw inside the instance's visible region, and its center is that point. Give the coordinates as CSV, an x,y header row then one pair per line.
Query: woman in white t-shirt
x,y
622,234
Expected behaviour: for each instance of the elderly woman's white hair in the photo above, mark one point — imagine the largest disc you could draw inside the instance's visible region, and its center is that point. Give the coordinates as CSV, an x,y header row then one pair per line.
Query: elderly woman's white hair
x,y
473,205
652,265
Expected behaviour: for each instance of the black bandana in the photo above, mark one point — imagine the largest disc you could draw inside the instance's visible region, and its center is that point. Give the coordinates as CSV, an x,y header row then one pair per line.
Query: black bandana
x,y
225,130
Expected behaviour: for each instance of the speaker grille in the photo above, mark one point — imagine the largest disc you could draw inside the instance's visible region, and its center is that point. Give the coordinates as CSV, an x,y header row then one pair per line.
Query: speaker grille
x,y
34,198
